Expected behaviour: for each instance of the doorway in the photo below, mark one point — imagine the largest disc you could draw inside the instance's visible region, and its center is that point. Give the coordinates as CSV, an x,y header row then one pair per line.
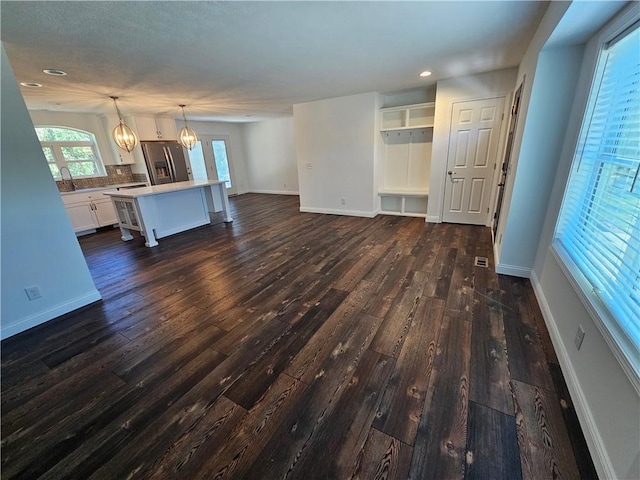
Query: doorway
x,y
513,122
473,151
211,160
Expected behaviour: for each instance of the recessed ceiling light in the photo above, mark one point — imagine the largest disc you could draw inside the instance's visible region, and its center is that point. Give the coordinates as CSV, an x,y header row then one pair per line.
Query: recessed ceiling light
x,y
31,84
426,73
55,72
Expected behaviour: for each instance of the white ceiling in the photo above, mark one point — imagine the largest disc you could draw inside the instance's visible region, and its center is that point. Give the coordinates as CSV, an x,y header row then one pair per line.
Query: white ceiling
x,y
243,61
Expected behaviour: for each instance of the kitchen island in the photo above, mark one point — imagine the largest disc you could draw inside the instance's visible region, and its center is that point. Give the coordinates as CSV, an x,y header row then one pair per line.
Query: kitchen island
x,y
162,210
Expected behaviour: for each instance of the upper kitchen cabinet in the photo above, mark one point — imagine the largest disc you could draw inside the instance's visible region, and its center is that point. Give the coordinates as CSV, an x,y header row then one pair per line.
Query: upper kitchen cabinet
x,y
155,128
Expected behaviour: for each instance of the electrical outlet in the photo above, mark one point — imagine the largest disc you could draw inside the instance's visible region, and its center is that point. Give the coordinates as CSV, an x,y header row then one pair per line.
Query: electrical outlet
x,y
33,292
309,166
118,171
579,337
285,185
343,201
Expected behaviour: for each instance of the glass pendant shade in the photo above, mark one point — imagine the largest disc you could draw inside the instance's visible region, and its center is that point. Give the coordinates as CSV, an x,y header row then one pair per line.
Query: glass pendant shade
x,y
187,137
124,137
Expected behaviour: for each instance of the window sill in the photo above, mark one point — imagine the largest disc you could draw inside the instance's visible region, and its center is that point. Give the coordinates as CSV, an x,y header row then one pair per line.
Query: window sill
x,y
621,346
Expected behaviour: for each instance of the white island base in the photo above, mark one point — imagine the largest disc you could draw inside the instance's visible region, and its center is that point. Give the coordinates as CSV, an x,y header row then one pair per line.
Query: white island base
x,y
162,210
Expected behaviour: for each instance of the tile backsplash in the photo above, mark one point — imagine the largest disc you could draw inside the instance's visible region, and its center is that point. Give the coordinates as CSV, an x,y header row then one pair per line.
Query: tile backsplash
x,y
140,177
116,174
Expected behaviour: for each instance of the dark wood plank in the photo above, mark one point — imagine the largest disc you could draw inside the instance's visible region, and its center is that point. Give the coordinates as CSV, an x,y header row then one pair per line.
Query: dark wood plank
x,y
254,431
30,448
574,430
382,458
361,267
127,422
439,447
296,433
545,448
331,339
489,374
527,360
13,397
346,427
397,321
196,445
460,290
248,389
440,278
538,319
403,400
321,325
492,445
393,280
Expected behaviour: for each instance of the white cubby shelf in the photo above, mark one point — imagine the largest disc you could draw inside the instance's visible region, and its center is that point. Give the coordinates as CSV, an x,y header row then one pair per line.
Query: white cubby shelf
x,y
407,117
408,203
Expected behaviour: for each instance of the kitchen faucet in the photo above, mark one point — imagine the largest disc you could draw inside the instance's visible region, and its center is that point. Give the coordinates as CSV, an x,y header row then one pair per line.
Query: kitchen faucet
x,y
73,185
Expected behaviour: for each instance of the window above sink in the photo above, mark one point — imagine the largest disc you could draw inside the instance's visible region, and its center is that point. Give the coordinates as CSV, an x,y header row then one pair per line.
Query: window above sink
x,y
72,148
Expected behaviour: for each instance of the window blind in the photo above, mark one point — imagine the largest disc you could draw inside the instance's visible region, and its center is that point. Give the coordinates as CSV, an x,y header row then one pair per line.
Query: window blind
x,y
599,223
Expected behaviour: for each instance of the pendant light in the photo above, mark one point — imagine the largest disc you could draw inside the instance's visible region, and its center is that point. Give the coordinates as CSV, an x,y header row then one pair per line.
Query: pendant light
x,y
187,137
122,134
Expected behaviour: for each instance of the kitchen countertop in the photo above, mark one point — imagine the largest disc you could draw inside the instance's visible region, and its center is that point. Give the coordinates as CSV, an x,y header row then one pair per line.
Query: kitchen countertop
x,y
159,189
107,187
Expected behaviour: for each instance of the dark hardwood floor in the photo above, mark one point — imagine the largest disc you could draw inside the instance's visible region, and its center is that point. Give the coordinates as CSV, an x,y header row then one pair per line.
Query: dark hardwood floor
x,y
292,345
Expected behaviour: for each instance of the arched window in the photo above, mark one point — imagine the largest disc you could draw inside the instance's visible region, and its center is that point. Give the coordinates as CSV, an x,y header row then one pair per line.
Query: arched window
x,y
68,147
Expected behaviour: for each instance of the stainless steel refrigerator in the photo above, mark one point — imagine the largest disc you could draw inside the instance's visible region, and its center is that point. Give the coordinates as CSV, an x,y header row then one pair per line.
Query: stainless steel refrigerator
x,y
165,162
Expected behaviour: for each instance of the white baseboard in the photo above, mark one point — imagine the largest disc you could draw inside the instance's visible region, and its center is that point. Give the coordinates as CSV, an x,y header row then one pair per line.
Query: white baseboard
x,y
433,219
275,192
513,270
597,449
329,211
49,314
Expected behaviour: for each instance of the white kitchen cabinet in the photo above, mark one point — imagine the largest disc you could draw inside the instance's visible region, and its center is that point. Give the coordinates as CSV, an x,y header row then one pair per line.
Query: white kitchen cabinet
x,y
88,211
105,214
82,217
155,128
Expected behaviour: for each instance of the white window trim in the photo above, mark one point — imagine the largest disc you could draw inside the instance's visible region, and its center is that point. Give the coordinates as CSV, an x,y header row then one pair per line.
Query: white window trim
x,y
60,161
614,335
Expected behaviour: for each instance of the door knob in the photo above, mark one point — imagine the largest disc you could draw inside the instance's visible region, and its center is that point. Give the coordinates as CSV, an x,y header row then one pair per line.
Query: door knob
x,y
450,172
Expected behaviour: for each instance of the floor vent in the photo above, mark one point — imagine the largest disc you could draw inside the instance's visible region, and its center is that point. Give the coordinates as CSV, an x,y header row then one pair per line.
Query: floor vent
x,y
481,262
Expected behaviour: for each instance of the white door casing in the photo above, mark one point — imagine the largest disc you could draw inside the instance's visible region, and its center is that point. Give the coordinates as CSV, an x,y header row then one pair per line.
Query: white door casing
x,y
473,150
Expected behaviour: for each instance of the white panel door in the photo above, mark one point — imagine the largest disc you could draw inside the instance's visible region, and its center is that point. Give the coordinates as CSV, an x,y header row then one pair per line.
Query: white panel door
x,y
473,150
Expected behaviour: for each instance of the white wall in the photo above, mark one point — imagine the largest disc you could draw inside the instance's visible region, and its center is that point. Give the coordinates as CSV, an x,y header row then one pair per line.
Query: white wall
x,y
540,146
336,139
527,72
270,156
556,87
37,244
234,132
499,83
